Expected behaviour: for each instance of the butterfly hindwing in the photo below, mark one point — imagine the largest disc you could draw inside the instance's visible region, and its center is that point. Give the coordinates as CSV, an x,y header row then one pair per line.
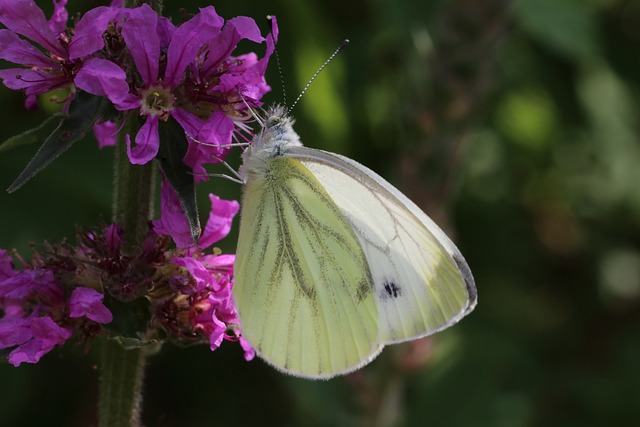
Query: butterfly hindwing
x,y
303,288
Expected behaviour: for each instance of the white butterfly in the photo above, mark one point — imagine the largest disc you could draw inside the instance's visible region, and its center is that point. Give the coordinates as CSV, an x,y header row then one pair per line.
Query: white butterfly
x,y
333,262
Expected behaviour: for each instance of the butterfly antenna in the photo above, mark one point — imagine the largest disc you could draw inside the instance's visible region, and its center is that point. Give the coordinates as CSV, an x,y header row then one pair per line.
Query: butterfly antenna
x,y
279,64
344,44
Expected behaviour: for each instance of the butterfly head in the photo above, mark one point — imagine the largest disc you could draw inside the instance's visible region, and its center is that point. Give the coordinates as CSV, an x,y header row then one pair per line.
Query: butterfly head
x,y
277,132
272,141
277,116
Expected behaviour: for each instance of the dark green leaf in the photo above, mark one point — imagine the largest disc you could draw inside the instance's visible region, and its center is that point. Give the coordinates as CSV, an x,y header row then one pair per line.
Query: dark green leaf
x,y
173,147
33,135
84,111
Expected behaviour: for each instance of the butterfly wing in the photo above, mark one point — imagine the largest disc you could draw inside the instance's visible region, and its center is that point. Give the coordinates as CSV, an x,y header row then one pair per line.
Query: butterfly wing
x,y
422,282
302,285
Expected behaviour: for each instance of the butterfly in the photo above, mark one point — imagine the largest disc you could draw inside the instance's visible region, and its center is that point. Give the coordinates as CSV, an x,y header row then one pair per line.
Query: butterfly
x,y
333,262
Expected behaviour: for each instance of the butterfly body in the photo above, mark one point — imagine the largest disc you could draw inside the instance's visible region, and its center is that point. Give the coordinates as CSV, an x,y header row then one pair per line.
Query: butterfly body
x,y
333,262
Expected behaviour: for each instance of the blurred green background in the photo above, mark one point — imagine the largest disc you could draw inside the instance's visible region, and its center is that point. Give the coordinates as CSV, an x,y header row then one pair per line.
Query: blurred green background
x,y
514,124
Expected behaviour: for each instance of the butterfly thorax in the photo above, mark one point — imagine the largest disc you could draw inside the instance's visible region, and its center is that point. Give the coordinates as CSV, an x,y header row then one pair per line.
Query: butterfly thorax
x,y
273,141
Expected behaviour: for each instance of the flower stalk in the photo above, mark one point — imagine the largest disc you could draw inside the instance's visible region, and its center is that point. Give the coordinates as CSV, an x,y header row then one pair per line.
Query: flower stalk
x,y
121,377
133,192
121,369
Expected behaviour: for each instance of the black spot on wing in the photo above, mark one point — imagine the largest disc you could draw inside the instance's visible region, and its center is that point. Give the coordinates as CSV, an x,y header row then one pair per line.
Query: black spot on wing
x,y
390,289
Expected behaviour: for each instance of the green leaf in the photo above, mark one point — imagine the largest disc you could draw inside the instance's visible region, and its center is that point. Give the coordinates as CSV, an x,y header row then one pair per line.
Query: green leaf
x,y
173,147
84,111
33,135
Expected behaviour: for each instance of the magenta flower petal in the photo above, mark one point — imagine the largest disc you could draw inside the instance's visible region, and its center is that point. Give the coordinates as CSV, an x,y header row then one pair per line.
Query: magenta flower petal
x,y
221,268
88,303
220,219
173,222
34,82
271,47
217,130
31,102
246,28
104,78
26,18
28,281
141,36
89,30
220,263
249,352
58,21
19,51
216,332
165,31
189,122
275,32
106,133
147,142
196,160
198,271
14,331
244,80
226,41
194,157
45,335
187,40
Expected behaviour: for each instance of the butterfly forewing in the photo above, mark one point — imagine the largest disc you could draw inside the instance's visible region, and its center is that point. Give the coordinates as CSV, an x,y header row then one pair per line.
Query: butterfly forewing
x,y
303,288
422,282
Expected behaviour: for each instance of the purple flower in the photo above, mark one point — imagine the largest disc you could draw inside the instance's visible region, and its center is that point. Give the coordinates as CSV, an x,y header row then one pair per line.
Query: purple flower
x,y
142,33
225,85
184,73
173,221
201,303
213,312
88,303
28,298
36,315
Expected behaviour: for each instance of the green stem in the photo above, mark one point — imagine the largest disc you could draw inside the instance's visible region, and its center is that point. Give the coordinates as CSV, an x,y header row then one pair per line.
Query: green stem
x,y
134,187
121,378
121,369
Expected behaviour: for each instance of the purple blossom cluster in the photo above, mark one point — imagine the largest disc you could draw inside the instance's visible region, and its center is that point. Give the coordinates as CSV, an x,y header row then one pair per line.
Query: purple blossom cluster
x,y
152,71
186,292
39,314
143,63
